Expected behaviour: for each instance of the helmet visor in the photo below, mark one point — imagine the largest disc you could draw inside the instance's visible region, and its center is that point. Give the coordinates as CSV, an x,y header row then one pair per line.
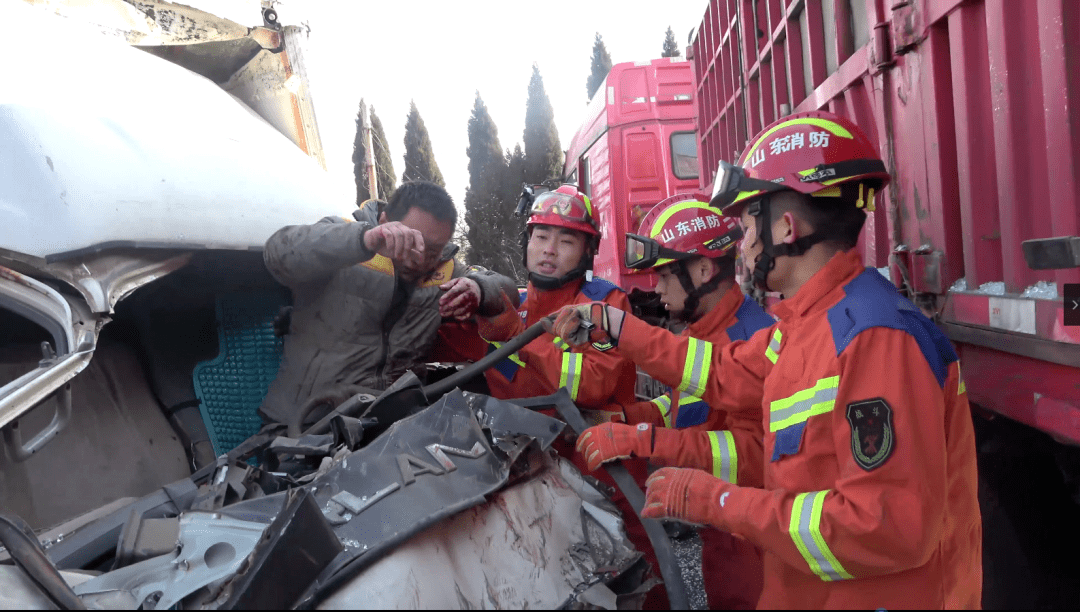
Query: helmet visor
x,y
642,252
731,181
567,207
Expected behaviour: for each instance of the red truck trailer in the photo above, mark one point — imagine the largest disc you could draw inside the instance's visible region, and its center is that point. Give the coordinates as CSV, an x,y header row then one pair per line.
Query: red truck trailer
x,y
975,107
635,147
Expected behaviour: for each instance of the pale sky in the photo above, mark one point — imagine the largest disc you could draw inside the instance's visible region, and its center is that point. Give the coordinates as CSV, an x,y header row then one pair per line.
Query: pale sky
x,y
439,53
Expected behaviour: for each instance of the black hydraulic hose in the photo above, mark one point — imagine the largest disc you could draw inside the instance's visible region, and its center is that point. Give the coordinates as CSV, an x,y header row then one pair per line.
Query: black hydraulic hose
x,y
436,389
27,553
665,555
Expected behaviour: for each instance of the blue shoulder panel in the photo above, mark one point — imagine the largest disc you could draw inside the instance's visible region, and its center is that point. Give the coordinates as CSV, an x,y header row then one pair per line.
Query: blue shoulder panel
x,y
597,289
694,413
749,318
872,301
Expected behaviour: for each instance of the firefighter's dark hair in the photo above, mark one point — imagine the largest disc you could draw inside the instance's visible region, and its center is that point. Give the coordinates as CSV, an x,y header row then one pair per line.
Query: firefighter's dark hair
x,y
837,215
426,196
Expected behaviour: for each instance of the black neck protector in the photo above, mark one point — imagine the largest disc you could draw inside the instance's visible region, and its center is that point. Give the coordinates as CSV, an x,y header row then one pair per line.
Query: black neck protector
x,y
544,282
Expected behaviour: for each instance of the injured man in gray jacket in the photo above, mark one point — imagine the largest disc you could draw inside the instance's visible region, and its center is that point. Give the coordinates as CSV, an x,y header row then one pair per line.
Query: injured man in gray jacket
x,y
369,295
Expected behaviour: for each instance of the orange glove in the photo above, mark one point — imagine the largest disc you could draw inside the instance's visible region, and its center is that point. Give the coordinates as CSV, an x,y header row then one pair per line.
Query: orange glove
x,y
580,324
503,326
611,441
687,495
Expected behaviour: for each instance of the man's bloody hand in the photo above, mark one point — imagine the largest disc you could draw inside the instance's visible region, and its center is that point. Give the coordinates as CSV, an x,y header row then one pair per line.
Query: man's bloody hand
x,y
461,298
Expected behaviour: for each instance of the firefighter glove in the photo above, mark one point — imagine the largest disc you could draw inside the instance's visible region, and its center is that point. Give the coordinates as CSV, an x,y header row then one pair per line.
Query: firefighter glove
x,y
687,495
592,323
610,441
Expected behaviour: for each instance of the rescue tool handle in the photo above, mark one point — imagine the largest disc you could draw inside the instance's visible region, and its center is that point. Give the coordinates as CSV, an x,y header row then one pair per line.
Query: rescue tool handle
x,y
515,344
432,391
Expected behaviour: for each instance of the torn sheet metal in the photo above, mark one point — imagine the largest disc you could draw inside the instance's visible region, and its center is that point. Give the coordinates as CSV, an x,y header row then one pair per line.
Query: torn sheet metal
x,y
508,422
211,547
527,547
430,495
424,469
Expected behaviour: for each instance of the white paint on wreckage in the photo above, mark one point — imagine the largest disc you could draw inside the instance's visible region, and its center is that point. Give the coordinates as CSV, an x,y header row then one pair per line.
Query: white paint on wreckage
x,y
524,548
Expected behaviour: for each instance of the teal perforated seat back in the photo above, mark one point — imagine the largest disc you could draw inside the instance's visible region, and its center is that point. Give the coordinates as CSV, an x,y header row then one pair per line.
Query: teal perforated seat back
x,y
232,385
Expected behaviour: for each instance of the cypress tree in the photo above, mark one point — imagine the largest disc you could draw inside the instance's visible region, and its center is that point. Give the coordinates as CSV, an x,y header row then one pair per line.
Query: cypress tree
x,y
359,169
601,65
671,48
419,158
488,212
543,155
384,166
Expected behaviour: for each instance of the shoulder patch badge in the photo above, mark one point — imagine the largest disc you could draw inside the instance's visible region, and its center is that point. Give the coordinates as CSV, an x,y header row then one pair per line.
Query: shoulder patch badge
x,y
872,435
606,346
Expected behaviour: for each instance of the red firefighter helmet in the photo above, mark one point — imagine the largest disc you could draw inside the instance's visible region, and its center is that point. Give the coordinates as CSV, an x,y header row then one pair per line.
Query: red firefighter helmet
x,y
564,207
681,227
809,153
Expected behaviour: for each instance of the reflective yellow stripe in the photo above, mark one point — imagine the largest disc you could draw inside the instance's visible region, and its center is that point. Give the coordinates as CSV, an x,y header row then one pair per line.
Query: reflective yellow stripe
x,y
725,459
562,344
571,373
658,225
961,388
696,368
664,404
818,399
773,352
512,357
805,531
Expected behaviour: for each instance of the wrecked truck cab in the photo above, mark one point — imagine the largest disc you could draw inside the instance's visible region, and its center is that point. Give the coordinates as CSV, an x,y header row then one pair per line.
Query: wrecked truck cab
x,y
137,337
136,199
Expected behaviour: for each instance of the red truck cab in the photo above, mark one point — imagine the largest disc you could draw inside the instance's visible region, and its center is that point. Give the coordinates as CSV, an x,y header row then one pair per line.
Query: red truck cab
x,y
636,146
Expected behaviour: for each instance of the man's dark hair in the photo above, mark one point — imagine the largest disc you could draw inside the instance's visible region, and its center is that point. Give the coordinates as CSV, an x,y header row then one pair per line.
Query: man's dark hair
x,y
426,196
837,216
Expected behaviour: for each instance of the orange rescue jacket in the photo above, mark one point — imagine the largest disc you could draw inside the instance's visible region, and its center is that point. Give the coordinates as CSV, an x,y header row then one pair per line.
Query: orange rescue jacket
x,y
594,378
870,497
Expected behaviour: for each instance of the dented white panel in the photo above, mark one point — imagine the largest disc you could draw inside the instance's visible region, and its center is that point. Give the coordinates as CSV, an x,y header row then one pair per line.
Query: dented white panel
x,y
119,146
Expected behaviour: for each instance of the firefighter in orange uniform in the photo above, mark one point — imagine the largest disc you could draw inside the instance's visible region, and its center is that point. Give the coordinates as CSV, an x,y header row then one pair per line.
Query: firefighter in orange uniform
x,y
692,248
562,237
870,490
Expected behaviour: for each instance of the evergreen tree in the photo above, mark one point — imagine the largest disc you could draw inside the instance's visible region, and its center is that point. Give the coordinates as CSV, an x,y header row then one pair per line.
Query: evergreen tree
x,y
419,158
359,166
671,48
601,65
543,154
493,241
384,166
512,227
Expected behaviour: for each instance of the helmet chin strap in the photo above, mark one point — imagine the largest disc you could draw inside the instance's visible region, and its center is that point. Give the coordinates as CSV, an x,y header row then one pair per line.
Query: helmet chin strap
x,y
544,282
766,260
689,313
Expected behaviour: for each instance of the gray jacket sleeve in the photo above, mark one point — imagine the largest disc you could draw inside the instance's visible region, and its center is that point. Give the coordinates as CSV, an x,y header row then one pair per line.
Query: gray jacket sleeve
x,y
492,284
299,254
